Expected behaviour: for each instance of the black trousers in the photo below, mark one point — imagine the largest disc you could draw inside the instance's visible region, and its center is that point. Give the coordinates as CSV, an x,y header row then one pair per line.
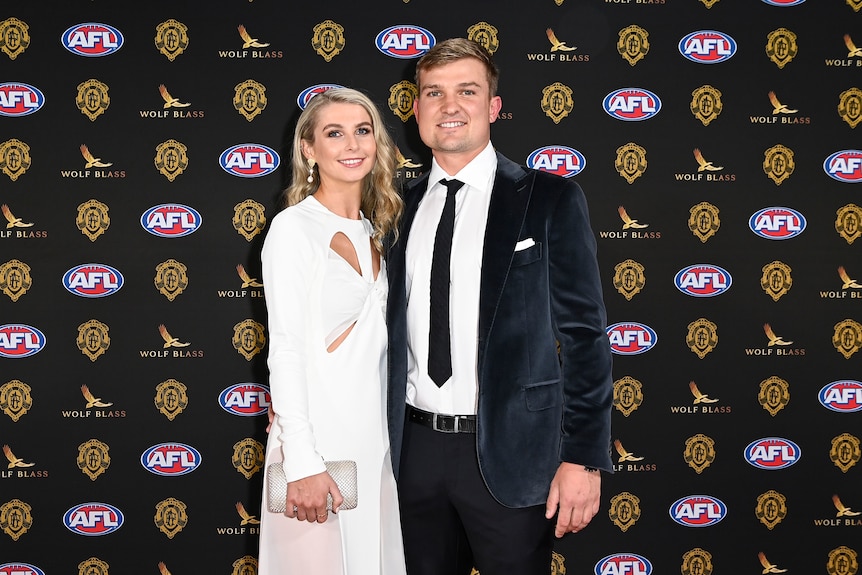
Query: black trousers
x,y
450,521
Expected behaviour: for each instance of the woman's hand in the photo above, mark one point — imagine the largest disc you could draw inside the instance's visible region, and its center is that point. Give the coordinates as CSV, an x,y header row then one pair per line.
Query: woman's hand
x,y
306,497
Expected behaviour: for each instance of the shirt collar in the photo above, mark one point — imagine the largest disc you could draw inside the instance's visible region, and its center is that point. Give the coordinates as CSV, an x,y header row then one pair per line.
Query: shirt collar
x,y
477,174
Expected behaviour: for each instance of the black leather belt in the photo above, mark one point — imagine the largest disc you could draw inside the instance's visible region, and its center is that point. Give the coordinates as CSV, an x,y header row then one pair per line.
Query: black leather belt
x,y
442,423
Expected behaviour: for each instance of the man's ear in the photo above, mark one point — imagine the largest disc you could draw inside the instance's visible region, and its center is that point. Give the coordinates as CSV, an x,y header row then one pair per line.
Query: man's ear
x,y
495,107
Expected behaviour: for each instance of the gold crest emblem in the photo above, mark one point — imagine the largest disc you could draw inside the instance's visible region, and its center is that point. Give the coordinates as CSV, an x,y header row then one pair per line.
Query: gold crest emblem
x,y
92,219
15,518
558,564
171,278
633,43
774,394
703,220
781,46
850,106
778,163
245,565
625,510
401,98
249,98
171,159
93,566
14,158
629,278
171,398
628,395
702,337
706,104
847,337
697,561
842,561
708,4
15,279
93,459
92,98
249,219
771,508
328,39
93,339
845,451
15,399
557,101
172,38
699,452
848,222
855,4
485,35
171,516
248,338
14,37
631,161
776,280
247,456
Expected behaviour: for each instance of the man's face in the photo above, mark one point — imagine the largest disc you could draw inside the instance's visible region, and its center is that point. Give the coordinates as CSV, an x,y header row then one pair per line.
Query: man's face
x,y
454,111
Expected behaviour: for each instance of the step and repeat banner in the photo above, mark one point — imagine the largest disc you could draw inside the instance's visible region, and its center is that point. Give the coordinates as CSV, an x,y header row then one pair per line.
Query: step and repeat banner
x,y
143,153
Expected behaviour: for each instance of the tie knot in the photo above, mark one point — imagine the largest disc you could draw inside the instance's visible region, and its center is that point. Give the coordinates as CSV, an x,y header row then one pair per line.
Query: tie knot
x,y
452,185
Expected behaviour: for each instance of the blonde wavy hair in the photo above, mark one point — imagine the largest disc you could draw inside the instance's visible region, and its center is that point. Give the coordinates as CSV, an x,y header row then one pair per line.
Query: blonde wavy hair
x,y
380,202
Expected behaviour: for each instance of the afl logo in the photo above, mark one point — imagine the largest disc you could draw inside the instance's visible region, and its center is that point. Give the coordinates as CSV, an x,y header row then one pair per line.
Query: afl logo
x,y
93,519
306,95
707,47
842,396
784,2
245,399
20,341
19,99
702,280
93,280
698,511
845,166
171,459
772,453
92,39
405,41
20,569
631,104
249,160
622,563
560,160
777,223
631,338
171,220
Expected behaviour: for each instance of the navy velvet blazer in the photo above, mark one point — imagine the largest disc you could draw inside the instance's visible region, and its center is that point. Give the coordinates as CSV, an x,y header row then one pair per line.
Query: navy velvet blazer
x,y
536,407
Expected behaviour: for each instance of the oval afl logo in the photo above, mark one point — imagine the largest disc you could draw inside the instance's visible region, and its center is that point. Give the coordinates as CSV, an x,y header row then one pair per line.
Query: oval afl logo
x,y
631,104
772,453
842,396
306,95
20,99
171,220
777,223
631,338
698,510
702,280
171,459
784,2
93,280
560,160
249,160
20,569
623,563
92,39
93,519
707,47
405,41
18,340
245,399
844,166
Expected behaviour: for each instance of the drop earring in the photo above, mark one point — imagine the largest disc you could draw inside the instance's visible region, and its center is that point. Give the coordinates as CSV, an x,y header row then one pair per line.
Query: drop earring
x,y
310,177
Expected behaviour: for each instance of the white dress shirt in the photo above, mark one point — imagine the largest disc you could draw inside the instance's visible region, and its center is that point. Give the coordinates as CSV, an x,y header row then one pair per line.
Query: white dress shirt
x,y
458,396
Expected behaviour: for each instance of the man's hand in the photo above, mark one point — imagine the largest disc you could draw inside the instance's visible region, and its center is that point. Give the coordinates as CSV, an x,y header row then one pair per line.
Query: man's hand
x,y
576,492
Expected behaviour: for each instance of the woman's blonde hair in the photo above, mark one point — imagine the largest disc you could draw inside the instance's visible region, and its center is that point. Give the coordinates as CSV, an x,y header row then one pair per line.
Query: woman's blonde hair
x,y
380,203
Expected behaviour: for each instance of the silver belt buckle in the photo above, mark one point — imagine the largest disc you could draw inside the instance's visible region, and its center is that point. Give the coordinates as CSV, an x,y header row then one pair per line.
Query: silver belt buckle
x,y
436,427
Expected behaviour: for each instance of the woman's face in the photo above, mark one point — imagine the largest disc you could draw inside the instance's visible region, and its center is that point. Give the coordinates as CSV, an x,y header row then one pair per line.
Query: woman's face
x,y
344,146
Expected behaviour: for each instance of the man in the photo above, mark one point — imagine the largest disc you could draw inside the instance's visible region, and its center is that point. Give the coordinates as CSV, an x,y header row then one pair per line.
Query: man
x,y
497,442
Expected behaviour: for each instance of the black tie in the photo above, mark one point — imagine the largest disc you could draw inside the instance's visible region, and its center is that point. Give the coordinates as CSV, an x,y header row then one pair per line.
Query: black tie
x,y
439,341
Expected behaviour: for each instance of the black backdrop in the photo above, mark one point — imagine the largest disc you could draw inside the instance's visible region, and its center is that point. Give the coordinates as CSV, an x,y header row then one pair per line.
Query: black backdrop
x,y
65,450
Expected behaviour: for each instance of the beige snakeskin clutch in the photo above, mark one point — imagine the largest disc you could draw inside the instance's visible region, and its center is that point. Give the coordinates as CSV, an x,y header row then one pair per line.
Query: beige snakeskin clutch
x,y
342,472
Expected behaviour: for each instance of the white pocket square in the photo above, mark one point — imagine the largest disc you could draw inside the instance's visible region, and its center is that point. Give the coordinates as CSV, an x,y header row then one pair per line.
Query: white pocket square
x,y
524,244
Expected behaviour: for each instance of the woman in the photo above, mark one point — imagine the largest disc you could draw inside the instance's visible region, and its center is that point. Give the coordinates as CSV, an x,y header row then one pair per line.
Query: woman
x,y
326,287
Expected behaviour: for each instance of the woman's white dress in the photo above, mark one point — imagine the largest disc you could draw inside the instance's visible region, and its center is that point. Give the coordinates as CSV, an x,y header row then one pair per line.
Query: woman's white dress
x,y
328,405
